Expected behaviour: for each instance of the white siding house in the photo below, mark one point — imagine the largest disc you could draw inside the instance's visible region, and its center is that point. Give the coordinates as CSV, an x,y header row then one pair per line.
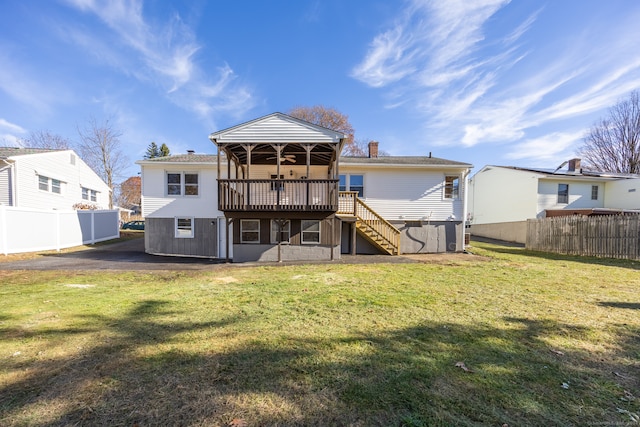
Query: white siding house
x,y
502,198
180,206
424,197
281,191
48,179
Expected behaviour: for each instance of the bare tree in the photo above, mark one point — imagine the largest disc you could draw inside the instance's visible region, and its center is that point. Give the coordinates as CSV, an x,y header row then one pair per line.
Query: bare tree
x,y
45,139
99,147
613,143
332,119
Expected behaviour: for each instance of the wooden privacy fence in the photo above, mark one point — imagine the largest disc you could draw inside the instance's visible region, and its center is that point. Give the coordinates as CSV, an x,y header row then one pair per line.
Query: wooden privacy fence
x,y
608,236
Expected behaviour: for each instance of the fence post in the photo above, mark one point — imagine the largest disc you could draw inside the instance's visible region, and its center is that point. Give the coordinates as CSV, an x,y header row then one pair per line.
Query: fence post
x,y
3,230
93,228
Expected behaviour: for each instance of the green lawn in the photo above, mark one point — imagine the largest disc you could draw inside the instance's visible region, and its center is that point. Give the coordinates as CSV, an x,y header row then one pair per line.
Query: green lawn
x,y
547,340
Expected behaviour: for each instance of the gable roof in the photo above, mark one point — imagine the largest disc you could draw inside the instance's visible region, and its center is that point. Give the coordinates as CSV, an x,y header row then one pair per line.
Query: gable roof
x,y
276,128
417,161
6,152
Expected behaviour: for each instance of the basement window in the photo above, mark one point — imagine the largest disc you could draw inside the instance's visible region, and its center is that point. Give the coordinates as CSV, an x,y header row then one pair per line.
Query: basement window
x,y
310,231
284,229
250,231
184,228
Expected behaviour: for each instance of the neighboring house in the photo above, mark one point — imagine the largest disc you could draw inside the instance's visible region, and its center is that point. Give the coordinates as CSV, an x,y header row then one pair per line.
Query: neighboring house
x,y
502,198
280,191
49,179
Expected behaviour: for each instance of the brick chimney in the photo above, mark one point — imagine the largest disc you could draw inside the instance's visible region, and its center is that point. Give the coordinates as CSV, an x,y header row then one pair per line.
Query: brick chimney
x,y
373,149
574,165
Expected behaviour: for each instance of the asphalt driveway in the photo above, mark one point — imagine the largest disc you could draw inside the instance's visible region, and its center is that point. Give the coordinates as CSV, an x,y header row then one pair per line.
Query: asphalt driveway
x,y
129,255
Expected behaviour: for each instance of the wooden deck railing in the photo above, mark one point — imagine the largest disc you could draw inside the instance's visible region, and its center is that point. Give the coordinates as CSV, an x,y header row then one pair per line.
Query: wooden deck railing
x,y
350,204
261,195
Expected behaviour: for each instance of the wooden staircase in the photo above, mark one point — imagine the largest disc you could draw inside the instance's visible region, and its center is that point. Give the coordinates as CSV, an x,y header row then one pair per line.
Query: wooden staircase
x,y
369,223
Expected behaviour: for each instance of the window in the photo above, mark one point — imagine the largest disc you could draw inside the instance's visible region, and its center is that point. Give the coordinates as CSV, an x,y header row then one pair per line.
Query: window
x,y
343,183
451,187
184,228
356,183
191,184
250,231
173,184
275,185
563,193
310,231
182,183
43,183
55,186
88,194
352,183
285,231
49,184
594,192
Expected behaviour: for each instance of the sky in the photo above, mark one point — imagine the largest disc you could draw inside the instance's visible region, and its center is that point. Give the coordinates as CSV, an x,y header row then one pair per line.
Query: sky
x,y
479,81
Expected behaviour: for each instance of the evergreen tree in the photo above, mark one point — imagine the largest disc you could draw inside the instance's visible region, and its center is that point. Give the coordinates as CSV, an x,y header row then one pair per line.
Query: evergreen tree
x,y
152,151
164,150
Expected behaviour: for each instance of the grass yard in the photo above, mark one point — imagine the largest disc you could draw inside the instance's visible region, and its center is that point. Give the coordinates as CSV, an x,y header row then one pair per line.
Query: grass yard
x,y
502,337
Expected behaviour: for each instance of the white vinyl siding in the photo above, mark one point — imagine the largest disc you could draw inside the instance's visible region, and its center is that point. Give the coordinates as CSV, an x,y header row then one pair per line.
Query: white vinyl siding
x,y
61,174
622,194
276,128
156,204
578,196
408,194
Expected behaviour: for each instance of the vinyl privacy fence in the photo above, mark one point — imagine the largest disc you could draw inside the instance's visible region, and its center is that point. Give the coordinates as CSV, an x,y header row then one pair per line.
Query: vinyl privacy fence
x,y
30,230
610,236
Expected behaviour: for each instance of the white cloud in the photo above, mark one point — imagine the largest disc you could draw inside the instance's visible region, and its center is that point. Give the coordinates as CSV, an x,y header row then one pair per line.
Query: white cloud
x,y
11,127
167,51
479,77
553,146
430,38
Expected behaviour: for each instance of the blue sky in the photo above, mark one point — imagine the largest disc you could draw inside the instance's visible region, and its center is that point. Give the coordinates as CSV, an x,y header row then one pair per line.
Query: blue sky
x,y
484,82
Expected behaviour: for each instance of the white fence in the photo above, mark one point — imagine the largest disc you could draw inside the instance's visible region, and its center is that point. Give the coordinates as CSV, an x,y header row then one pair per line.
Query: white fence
x,y
31,230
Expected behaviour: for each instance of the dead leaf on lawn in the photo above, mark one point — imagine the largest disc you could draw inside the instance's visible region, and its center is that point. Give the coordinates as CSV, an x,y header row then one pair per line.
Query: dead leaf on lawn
x,y
238,422
462,366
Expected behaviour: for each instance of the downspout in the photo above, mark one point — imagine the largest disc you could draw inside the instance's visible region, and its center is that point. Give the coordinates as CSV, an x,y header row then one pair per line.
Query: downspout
x,y
465,208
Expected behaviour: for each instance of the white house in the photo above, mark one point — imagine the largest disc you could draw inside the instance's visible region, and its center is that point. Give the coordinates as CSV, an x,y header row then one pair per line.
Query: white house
x,y
48,179
502,198
280,191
